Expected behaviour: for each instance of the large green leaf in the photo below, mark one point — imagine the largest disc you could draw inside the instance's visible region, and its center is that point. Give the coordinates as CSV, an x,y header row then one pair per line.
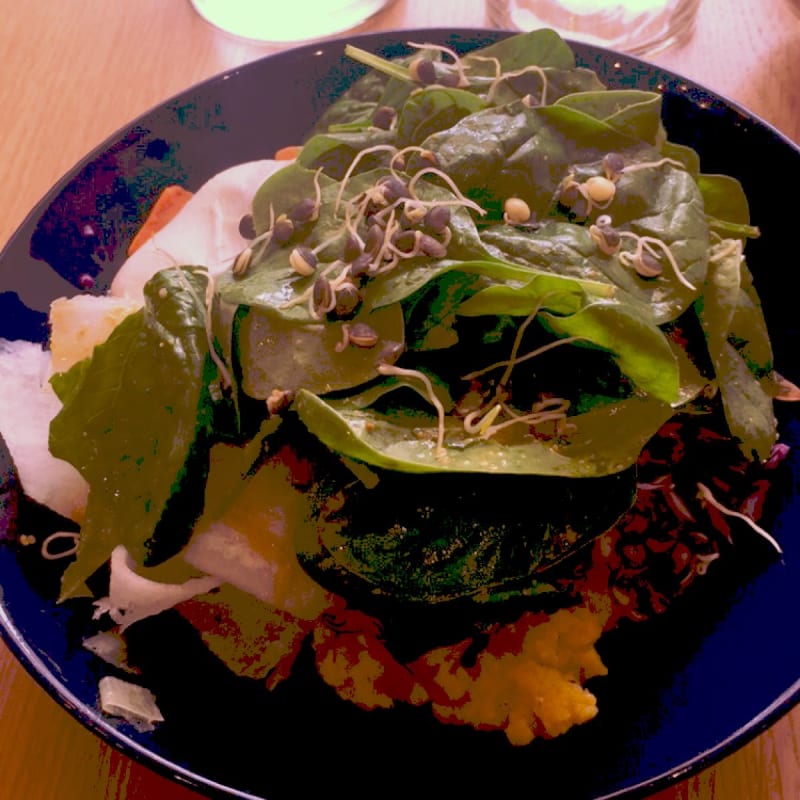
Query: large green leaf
x,y
433,109
747,403
606,440
279,353
631,112
134,417
439,539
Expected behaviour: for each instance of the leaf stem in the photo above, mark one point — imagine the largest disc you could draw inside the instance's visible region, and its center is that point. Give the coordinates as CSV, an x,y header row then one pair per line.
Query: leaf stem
x,y
390,68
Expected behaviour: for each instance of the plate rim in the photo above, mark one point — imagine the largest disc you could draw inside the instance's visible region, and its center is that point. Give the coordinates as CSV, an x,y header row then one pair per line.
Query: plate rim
x,y
92,719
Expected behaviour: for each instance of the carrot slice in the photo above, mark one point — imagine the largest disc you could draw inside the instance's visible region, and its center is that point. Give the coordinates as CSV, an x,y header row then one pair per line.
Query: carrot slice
x,y
171,200
288,153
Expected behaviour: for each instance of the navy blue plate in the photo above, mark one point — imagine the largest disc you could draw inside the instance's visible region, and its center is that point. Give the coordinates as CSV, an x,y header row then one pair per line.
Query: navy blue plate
x,y
683,690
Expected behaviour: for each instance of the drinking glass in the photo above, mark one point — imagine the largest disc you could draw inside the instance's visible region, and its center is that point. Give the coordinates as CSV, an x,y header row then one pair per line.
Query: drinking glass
x,y
288,21
632,26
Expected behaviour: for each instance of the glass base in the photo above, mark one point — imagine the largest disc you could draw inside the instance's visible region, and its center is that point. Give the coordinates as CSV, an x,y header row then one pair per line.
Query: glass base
x,y
632,26
289,22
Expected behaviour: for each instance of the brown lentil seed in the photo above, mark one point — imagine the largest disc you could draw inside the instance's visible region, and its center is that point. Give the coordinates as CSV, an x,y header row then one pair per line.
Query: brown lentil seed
x,y
352,248
384,117
303,260
321,295
242,262
394,189
448,77
647,266
422,71
305,211
361,335
569,194
247,227
374,239
282,230
405,241
348,299
430,157
360,268
613,165
437,219
431,247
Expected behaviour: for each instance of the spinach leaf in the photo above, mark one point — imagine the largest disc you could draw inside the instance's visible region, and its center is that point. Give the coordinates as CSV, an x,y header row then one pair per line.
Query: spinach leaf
x,y
606,439
334,152
136,470
357,104
542,86
625,329
543,47
568,249
516,151
746,402
282,191
639,348
276,352
433,109
726,206
430,312
629,111
458,538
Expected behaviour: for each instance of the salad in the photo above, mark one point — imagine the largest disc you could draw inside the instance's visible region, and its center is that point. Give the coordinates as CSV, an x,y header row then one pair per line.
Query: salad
x,y
476,377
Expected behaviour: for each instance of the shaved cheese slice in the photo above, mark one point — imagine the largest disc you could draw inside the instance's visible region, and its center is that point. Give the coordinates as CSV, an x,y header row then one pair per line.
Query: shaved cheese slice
x,y
205,233
111,648
132,702
27,405
132,597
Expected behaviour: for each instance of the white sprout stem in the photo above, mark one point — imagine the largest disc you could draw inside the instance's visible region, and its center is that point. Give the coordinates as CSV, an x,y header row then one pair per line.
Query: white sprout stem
x,y
512,359
532,419
225,377
515,74
539,350
644,241
727,247
412,148
705,494
462,78
306,293
391,369
349,227
450,183
401,201
652,165
53,537
392,225
475,423
353,164
317,191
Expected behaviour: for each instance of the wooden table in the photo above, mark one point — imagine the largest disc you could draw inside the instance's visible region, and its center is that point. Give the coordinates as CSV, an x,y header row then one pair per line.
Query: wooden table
x,y
73,72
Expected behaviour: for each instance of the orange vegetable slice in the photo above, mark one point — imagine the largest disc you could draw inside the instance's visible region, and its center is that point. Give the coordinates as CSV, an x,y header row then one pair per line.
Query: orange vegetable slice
x,y
171,200
288,153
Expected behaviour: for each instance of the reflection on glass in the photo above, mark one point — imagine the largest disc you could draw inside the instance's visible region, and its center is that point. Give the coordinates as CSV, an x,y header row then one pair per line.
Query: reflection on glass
x,y
634,26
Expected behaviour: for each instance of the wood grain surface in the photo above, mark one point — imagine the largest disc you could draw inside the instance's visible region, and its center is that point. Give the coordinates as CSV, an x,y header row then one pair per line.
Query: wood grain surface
x,y
73,72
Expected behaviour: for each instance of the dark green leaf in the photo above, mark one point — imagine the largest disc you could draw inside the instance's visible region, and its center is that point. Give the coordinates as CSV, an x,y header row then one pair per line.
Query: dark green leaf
x,y
131,422
449,538
747,404
433,109
606,440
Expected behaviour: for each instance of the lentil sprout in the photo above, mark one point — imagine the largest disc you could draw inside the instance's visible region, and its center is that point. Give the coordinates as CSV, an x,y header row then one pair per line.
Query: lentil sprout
x,y
247,227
